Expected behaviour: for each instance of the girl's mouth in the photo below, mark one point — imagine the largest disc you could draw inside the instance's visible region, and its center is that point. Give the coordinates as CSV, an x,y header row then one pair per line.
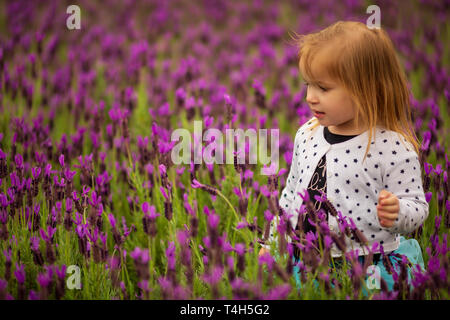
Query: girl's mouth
x,y
318,114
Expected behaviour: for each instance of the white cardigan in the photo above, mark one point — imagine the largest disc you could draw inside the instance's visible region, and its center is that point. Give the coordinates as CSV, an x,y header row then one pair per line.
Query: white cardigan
x,y
353,186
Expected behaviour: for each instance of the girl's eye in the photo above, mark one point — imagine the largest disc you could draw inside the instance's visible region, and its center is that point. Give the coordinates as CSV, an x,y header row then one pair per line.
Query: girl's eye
x,y
320,87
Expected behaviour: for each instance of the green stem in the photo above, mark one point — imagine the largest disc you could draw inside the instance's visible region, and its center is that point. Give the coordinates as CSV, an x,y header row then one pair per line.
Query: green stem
x,y
229,204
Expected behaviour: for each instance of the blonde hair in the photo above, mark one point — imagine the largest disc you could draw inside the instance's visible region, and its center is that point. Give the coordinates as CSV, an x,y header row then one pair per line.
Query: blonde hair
x,y
365,63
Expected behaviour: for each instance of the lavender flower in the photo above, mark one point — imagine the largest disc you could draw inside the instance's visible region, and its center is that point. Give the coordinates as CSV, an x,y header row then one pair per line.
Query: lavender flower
x,y
149,219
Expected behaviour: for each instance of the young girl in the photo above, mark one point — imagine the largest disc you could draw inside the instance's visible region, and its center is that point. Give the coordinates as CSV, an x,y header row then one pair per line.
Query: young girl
x,y
359,148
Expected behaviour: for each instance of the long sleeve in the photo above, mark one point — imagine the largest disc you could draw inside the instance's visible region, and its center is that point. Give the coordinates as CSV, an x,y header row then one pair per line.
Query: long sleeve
x,y
402,177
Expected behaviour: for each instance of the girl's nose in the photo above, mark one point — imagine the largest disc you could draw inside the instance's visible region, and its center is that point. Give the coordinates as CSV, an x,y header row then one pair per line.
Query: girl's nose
x,y
311,97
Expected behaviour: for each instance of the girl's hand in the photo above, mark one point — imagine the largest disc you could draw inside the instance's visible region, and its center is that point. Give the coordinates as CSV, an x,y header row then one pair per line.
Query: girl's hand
x,y
387,208
262,251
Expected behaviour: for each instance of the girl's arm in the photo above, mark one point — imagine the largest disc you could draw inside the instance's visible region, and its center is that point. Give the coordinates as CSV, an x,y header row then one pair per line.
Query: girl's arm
x,y
402,177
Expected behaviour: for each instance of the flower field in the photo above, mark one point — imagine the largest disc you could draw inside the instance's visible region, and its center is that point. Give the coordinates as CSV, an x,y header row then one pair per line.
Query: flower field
x,y
92,205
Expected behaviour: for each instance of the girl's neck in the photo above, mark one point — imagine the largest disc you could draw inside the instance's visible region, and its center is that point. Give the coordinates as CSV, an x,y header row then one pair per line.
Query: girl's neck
x,y
346,132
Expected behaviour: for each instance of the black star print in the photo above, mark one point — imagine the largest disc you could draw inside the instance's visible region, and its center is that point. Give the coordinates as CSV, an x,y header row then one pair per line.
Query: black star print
x,y
335,160
355,160
337,190
394,152
348,181
347,151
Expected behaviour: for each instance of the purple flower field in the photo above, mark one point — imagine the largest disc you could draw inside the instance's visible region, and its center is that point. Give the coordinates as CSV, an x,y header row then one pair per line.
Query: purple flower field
x,y
91,204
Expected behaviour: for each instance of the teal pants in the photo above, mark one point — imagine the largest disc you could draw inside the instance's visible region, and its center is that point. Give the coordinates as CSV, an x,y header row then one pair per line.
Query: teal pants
x,y
410,248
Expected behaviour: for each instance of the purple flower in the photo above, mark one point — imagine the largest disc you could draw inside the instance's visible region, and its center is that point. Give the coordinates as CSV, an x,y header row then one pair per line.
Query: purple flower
x,y
267,259
36,171
328,242
195,184
239,248
321,198
8,254
438,169
187,205
241,225
164,193
268,215
61,160
47,236
428,196
162,170
279,293
68,174
426,140
428,168
18,161
19,273
214,277
61,272
165,147
170,254
112,220
34,243
136,254
213,220
93,235
304,196
44,280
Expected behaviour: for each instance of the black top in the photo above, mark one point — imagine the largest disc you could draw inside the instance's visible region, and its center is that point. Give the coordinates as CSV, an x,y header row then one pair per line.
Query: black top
x,y
318,182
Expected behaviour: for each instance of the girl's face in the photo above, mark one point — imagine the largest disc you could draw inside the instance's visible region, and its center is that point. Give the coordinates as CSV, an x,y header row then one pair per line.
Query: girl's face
x,y
330,102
